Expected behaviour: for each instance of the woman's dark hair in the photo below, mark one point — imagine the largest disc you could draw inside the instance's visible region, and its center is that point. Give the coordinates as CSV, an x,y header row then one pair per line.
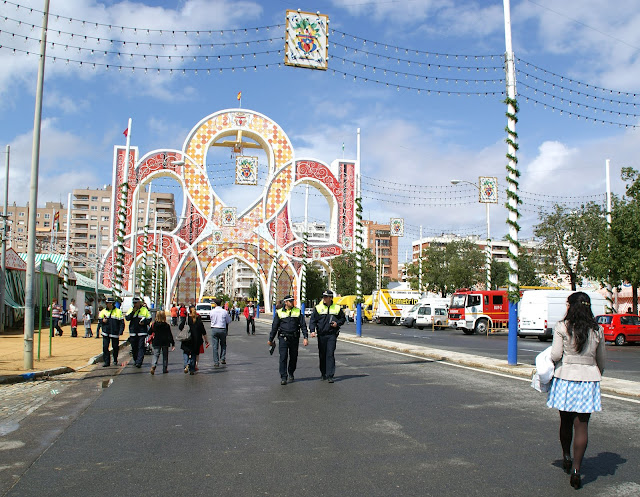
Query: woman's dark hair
x,y
579,319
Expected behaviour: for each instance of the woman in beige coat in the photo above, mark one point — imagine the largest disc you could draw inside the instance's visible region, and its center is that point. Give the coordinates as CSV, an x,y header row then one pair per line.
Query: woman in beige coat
x,y
578,354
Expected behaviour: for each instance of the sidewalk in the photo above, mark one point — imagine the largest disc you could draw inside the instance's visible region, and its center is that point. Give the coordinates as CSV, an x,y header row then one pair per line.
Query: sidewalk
x,y
67,354
608,385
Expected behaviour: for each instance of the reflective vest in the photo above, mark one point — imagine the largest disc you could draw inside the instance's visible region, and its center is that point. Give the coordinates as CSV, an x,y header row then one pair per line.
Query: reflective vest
x,y
333,309
140,319
114,327
283,313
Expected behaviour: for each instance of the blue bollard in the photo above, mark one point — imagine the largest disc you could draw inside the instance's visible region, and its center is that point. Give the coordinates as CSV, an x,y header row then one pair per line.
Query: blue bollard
x,y
512,350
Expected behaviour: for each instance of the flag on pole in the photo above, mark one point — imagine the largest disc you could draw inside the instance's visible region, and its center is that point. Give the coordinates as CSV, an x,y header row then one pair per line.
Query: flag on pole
x,y
126,132
56,220
239,97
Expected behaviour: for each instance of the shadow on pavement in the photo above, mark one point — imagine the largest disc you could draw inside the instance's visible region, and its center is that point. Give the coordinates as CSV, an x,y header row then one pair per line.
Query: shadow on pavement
x,y
604,464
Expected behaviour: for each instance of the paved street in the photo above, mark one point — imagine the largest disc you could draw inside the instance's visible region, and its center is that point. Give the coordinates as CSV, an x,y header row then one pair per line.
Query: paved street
x,y
622,362
390,425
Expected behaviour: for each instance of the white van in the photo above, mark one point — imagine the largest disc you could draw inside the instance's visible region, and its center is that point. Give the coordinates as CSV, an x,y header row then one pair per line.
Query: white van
x,y
540,310
426,312
127,304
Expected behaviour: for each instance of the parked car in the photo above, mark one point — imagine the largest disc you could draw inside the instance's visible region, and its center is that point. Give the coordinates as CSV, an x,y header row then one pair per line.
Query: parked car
x,y
204,310
620,328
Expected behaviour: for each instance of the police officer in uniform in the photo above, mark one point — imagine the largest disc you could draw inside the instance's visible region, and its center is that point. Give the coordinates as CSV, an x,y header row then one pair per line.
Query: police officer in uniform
x,y
287,324
326,320
139,317
110,326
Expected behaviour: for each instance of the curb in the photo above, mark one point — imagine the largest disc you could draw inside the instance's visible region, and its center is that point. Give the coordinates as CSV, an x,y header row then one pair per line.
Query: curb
x,y
46,373
607,385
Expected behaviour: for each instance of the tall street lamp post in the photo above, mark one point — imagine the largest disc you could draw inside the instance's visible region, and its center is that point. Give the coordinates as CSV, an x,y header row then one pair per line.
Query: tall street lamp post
x,y
488,248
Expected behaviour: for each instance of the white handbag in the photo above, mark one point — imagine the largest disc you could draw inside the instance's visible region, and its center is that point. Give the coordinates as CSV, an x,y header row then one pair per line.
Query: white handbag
x,y
543,373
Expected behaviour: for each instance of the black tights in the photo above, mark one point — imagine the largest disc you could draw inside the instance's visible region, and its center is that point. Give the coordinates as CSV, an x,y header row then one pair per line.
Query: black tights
x,y
577,422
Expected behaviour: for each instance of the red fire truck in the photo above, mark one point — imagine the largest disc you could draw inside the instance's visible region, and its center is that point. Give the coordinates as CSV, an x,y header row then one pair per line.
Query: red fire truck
x,y
478,310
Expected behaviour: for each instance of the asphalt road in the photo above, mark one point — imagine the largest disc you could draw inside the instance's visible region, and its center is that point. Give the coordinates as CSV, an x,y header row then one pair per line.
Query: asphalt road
x,y
389,425
622,362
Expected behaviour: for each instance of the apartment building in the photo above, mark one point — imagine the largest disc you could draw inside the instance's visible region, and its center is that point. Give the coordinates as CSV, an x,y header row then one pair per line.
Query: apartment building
x,y
377,237
91,219
236,279
51,225
317,231
499,248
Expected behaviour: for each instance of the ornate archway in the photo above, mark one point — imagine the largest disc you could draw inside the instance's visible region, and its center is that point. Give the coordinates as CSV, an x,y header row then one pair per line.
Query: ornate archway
x,y
262,234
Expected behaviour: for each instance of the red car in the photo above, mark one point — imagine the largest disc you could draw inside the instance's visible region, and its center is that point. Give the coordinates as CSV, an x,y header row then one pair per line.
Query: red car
x,y
620,328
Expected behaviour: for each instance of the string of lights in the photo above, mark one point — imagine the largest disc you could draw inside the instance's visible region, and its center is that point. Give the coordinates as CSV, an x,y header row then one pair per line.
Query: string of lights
x,y
577,115
398,60
407,51
374,69
144,56
576,82
136,30
564,100
571,91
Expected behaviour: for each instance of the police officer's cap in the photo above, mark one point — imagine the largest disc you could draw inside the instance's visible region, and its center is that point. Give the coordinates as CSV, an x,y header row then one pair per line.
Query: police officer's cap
x,y
110,300
327,293
137,300
287,297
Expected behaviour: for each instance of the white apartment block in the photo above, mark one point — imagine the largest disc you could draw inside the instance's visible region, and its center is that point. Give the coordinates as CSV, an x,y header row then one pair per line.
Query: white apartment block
x,y
236,279
499,248
316,231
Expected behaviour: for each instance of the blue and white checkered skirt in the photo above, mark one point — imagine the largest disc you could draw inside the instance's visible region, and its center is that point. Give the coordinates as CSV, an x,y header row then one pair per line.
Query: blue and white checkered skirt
x,y
574,396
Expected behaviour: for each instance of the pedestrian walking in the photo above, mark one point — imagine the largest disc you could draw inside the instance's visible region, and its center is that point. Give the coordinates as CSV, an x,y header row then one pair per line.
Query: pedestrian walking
x,y
250,314
326,320
139,318
182,312
161,339
174,314
56,316
579,354
74,325
110,327
191,348
288,323
219,322
88,333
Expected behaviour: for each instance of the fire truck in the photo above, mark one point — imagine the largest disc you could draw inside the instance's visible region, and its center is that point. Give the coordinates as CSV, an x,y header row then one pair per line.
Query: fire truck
x,y
478,310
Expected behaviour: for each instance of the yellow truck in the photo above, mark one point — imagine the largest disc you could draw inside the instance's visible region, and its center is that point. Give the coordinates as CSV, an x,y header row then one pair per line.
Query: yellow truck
x,y
348,303
388,305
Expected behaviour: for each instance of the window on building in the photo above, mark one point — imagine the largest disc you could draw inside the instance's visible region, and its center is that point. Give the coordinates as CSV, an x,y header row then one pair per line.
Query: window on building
x,y
94,207
20,230
94,228
21,214
47,224
92,246
38,215
47,216
94,218
22,223
94,199
106,199
104,209
104,218
92,237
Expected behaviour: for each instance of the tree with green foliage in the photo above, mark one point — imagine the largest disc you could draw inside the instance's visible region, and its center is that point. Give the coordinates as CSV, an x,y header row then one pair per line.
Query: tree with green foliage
x,y
568,237
344,273
527,272
316,283
616,257
445,268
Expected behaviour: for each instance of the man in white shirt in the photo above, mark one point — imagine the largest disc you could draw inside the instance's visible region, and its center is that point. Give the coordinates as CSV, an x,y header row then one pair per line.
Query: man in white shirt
x,y
220,319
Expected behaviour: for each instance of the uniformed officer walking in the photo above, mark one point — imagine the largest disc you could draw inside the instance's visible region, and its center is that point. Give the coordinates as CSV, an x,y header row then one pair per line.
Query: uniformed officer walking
x,y
287,324
139,317
326,320
110,327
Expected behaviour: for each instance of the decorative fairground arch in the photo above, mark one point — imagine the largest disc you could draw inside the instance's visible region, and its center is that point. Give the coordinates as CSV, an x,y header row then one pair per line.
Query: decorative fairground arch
x,y
210,232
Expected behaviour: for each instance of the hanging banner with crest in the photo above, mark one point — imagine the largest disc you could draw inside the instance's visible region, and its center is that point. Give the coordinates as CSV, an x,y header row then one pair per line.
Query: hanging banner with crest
x,y
306,40
488,190
396,226
246,170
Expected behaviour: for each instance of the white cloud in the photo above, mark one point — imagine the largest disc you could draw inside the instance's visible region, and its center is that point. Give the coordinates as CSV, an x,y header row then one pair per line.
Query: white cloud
x,y
56,147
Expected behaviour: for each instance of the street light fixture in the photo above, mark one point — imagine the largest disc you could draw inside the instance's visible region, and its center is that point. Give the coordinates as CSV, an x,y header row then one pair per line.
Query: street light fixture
x,y
488,247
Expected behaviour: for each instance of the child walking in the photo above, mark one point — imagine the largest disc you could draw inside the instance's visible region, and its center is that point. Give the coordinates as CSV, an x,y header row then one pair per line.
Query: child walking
x,y
87,324
162,338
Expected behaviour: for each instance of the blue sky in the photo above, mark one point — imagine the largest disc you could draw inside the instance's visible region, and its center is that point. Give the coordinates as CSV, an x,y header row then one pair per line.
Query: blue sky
x,y
413,143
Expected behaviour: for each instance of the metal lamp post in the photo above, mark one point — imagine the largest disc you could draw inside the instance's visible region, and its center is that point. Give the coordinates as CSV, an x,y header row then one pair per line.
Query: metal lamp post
x,y
488,248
